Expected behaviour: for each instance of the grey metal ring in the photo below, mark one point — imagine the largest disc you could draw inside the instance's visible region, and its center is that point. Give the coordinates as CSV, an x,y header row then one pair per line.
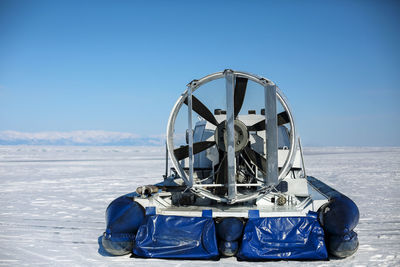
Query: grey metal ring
x,y
194,85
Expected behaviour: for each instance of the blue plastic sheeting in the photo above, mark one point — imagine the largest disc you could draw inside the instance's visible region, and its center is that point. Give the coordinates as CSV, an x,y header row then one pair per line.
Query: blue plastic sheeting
x,y
283,238
176,237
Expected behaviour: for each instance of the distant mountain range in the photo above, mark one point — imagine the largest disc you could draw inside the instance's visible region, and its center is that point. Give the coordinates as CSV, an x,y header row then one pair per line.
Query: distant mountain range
x,y
81,138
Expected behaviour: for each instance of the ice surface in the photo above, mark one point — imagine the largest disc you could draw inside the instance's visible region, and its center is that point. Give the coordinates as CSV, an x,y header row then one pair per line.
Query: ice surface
x,y
53,201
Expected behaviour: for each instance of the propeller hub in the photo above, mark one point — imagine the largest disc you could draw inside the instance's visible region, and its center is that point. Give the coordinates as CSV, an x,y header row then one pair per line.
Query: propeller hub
x,y
241,136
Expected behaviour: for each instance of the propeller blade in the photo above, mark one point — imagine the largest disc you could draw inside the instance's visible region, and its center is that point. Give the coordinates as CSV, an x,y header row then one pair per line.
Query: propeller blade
x,y
183,151
256,158
202,110
259,126
283,118
240,92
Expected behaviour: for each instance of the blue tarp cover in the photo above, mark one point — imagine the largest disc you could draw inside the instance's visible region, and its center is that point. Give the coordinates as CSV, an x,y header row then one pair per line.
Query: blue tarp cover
x,y
176,237
283,238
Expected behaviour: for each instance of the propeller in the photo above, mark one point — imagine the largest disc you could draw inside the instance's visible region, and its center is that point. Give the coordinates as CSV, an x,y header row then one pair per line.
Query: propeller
x,y
239,95
283,118
183,151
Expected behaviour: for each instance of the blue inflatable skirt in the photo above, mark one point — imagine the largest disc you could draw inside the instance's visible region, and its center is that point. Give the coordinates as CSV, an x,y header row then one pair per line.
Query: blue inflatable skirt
x,y
277,238
176,237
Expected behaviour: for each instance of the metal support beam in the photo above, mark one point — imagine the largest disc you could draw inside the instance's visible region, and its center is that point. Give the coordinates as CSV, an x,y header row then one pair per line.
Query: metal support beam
x,y
302,159
230,88
271,135
190,133
166,161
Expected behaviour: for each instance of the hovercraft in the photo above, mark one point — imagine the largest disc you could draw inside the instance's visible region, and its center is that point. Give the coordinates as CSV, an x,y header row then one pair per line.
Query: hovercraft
x,y
237,187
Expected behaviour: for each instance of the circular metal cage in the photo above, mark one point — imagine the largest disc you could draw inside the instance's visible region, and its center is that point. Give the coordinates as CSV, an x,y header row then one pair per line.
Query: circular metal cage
x,y
232,80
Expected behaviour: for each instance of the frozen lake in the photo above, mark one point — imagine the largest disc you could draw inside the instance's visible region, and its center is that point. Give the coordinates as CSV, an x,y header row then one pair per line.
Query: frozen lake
x,y
53,201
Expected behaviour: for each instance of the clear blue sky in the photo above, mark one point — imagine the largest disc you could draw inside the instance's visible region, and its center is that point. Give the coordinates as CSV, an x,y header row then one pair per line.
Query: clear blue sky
x,y
121,65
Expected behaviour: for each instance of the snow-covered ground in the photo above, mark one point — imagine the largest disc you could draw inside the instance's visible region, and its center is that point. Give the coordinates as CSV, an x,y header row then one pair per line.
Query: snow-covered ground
x,y
53,200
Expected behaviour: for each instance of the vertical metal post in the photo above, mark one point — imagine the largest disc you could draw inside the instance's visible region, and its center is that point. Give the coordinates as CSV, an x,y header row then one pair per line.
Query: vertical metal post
x,y
271,135
302,159
230,87
190,133
166,161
